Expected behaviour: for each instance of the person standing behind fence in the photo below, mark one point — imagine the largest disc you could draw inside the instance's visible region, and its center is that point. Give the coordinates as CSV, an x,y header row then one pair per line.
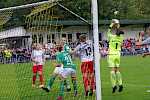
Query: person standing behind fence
x,y
38,60
7,55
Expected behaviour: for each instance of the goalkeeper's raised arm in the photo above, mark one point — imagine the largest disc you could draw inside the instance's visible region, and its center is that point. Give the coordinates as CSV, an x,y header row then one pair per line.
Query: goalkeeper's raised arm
x,y
114,26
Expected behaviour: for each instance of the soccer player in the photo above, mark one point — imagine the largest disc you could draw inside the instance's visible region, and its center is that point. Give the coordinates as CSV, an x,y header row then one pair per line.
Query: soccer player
x,y
85,51
62,46
115,37
38,60
64,68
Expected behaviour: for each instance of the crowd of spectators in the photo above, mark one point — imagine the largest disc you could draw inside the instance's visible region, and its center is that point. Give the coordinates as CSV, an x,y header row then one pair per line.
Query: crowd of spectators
x,y
129,47
20,55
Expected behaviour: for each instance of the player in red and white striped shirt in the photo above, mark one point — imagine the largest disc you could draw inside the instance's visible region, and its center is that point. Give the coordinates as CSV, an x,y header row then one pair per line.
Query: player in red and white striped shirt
x,y
38,60
85,51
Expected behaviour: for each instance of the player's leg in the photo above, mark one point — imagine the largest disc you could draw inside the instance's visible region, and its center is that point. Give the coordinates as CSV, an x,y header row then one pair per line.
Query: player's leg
x,y
118,75
91,78
74,81
111,64
63,76
119,80
85,78
67,85
34,70
50,83
40,71
57,71
61,89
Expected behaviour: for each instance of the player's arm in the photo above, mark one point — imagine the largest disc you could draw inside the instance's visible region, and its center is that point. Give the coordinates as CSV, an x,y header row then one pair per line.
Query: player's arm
x,y
75,50
33,57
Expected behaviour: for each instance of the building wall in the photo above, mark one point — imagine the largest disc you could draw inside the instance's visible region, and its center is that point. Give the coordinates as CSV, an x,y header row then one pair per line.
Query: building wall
x,y
130,31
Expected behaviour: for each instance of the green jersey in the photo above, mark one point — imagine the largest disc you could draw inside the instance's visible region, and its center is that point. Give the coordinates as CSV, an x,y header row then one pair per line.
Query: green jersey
x,y
65,58
115,43
66,48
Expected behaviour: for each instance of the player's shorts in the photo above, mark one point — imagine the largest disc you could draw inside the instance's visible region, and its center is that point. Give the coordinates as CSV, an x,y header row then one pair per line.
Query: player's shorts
x,y
37,68
113,60
87,67
67,72
58,70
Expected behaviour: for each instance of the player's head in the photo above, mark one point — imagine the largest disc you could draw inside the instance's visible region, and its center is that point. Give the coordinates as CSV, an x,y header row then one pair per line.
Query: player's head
x,y
34,46
116,24
38,46
82,38
59,47
63,41
119,32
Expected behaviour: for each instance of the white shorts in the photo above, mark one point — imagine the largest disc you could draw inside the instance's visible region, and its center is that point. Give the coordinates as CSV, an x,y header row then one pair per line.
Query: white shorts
x,y
67,72
58,70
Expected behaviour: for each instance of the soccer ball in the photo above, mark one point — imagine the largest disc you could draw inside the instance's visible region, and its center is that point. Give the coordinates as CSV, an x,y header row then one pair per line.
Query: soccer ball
x,y
116,12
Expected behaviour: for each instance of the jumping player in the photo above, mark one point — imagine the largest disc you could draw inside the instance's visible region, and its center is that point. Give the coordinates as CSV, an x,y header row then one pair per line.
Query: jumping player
x,y
38,60
115,41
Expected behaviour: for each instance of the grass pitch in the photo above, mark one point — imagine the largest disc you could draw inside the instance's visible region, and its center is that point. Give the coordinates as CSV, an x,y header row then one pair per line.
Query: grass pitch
x,y
15,81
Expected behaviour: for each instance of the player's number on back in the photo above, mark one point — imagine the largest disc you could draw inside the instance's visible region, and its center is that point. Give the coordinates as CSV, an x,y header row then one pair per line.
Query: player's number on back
x,y
88,51
116,45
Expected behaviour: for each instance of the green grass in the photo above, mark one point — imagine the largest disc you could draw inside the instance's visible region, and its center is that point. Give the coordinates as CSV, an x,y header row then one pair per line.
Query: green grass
x,y
15,81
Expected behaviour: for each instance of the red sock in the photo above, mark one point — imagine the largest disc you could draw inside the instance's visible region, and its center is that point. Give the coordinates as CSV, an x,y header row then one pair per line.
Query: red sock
x,y
41,79
92,83
33,79
86,83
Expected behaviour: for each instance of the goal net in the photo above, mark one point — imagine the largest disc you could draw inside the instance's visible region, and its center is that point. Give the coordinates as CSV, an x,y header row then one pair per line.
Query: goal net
x,y
45,23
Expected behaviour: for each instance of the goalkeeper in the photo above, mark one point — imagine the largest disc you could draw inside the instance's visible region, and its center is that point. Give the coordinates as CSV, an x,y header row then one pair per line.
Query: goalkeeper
x,y
115,37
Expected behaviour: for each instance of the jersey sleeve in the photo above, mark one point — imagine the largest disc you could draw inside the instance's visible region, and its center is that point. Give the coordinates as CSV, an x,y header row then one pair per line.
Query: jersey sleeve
x,y
77,49
109,34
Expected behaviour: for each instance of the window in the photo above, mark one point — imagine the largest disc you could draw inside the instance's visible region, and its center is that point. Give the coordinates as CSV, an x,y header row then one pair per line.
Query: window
x,y
34,38
41,38
69,38
53,38
48,38
63,35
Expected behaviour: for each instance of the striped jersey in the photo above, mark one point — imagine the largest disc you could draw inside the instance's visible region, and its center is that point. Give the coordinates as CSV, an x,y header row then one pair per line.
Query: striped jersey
x,y
38,56
85,51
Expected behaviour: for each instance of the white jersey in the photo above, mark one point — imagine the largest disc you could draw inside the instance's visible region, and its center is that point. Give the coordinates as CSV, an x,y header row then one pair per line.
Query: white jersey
x,y
85,50
38,56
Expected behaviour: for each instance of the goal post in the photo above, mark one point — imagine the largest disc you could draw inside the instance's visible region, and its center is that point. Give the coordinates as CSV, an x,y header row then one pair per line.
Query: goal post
x,y
96,49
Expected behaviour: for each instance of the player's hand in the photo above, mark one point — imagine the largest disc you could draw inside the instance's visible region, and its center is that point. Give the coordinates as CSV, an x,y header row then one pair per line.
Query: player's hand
x,y
111,25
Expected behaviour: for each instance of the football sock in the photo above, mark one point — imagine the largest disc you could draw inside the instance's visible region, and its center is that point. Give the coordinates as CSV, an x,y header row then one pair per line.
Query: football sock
x,y
33,79
113,78
51,81
61,90
41,79
74,82
119,78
